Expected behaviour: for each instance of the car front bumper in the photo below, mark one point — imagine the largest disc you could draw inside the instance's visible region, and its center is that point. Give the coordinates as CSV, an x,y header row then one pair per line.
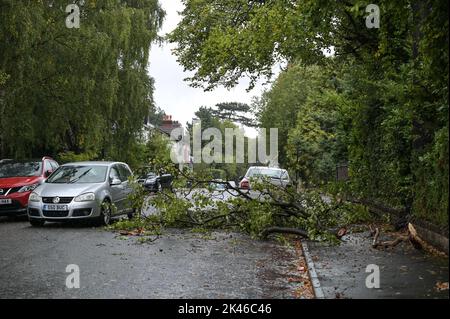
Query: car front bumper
x,y
18,206
75,211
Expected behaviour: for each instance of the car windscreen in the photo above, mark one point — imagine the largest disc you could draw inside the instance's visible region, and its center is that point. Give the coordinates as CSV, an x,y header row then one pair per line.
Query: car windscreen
x,y
267,172
78,174
20,169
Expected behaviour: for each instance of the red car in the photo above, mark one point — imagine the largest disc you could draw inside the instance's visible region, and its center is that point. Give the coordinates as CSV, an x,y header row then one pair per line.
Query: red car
x,y
18,178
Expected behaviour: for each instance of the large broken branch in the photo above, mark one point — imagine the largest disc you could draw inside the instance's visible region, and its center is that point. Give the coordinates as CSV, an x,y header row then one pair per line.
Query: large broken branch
x,y
229,206
284,230
412,237
295,231
386,244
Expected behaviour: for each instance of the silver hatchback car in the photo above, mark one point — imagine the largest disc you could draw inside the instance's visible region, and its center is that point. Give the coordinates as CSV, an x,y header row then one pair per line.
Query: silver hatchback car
x,y
80,191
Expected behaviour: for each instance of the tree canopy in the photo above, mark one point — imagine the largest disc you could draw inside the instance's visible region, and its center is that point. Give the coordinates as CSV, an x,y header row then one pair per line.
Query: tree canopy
x,y
375,98
84,91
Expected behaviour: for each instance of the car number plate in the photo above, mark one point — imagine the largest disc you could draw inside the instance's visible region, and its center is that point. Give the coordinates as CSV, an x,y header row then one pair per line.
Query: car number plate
x,y
5,201
56,207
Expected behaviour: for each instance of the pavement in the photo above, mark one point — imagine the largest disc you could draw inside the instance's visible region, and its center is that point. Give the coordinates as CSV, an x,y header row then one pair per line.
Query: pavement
x,y
405,272
180,264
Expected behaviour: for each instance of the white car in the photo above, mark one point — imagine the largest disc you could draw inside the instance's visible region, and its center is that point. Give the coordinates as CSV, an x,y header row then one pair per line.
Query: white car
x,y
276,176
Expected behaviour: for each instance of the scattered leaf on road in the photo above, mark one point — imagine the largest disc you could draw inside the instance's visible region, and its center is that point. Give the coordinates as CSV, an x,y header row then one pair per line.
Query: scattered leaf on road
x,y
440,286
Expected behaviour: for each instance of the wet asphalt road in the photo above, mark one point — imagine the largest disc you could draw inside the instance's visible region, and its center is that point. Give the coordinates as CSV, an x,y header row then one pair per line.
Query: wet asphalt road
x,y
405,272
180,264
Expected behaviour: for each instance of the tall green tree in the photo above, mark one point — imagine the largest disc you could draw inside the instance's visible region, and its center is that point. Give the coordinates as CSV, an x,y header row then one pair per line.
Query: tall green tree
x,y
82,91
223,170
234,112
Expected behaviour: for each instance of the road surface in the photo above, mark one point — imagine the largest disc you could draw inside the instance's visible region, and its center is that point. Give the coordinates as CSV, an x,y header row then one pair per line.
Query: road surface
x,y
180,264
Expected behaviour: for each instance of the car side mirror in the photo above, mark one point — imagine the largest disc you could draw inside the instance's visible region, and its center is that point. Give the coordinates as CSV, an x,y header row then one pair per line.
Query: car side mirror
x,y
47,173
115,181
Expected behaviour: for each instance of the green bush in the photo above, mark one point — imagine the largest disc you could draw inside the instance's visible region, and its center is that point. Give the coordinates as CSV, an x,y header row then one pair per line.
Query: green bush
x,y
431,189
69,156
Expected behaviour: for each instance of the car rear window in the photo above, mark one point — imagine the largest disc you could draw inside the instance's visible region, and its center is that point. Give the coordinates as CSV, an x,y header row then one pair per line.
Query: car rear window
x,y
268,172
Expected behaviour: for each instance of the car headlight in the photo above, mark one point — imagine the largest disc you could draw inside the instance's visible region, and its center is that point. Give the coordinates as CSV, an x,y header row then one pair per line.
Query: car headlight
x,y
34,197
87,197
28,188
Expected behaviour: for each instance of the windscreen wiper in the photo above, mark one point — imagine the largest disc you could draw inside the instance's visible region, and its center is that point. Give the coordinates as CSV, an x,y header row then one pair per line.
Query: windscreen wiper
x,y
79,177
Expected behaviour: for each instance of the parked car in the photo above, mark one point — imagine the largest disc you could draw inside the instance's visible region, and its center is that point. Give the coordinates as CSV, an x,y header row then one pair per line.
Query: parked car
x,y
276,176
154,182
83,190
232,184
18,178
218,185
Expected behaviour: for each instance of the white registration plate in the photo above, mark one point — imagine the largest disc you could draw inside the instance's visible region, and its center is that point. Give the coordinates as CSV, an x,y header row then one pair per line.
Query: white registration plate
x,y
56,207
5,201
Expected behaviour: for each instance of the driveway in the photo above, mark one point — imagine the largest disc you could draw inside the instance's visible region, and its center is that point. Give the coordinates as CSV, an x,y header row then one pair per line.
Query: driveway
x,y
180,264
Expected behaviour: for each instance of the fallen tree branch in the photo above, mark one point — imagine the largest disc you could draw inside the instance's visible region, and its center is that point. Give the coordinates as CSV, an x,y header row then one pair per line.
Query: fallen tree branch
x,y
375,238
217,217
390,243
339,233
386,244
412,237
284,230
204,205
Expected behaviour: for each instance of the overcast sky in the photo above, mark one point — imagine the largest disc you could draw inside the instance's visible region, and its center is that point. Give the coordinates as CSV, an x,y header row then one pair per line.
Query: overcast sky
x,y
174,95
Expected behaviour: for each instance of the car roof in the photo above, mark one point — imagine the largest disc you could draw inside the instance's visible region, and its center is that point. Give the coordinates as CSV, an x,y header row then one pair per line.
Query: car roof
x,y
25,160
93,163
266,167
30,160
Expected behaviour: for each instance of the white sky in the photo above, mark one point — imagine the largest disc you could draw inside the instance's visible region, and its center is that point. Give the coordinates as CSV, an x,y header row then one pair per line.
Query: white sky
x,y
174,95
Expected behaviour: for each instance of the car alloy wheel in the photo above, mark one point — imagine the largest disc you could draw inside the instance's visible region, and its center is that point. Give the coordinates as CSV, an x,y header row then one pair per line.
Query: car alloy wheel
x,y
106,213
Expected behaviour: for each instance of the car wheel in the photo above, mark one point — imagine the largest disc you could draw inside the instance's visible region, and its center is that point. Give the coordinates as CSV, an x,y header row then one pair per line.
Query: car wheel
x,y
105,214
37,222
131,215
159,186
